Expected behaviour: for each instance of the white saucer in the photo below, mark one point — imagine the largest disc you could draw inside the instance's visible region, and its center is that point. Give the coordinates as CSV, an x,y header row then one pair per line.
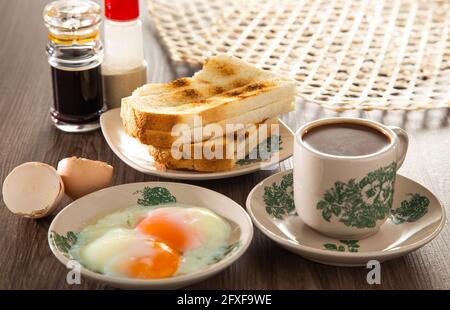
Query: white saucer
x,y
64,227
136,155
397,237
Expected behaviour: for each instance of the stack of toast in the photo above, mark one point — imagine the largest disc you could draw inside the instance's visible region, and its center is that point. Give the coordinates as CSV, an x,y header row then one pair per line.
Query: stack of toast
x,y
227,95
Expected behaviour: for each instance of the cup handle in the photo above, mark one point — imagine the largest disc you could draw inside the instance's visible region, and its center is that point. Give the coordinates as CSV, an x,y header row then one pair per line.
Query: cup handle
x,y
403,141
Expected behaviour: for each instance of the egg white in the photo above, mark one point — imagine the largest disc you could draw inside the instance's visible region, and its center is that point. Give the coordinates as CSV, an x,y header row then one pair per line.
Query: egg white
x,y
103,246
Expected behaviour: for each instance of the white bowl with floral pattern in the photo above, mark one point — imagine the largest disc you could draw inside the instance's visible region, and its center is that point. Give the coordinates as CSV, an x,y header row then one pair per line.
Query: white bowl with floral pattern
x,y
86,210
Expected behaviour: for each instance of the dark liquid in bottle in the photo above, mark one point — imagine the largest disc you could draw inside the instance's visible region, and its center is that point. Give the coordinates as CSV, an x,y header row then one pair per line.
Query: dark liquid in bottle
x,y
77,95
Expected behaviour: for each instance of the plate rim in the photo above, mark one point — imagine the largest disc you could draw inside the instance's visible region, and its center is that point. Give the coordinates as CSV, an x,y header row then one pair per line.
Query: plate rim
x,y
334,254
187,278
189,175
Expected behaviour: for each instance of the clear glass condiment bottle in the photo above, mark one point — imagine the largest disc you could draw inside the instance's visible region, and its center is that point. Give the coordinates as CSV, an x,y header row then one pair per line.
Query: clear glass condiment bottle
x,y
75,54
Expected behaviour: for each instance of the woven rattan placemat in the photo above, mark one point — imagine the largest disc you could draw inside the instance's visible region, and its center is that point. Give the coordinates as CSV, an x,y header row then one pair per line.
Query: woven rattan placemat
x,y
344,54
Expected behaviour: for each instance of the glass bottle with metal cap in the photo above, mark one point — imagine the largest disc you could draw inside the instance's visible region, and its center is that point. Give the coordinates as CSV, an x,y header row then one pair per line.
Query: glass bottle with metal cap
x,y
75,54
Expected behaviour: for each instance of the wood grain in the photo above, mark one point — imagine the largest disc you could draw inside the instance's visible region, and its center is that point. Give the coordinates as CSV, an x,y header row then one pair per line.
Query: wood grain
x,y
28,135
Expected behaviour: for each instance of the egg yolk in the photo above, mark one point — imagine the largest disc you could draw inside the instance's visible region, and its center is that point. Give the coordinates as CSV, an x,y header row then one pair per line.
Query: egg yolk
x,y
161,264
168,231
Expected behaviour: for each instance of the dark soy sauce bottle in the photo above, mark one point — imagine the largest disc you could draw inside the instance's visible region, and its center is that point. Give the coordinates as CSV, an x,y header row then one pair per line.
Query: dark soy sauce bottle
x,y
77,95
75,54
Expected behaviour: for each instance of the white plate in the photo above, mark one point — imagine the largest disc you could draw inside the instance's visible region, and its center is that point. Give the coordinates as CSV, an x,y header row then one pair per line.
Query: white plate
x,y
136,155
91,207
395,238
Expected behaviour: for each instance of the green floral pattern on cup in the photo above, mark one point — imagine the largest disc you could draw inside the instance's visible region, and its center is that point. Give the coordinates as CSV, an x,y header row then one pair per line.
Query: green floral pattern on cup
x,y
411,209
344,245
279,198
361,203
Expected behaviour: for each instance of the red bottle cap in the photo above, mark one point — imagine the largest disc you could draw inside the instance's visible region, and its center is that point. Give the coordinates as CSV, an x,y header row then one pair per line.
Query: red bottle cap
x,y
122,10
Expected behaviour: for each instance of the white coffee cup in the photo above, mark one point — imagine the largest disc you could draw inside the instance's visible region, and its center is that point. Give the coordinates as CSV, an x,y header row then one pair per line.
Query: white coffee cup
x,y
347,197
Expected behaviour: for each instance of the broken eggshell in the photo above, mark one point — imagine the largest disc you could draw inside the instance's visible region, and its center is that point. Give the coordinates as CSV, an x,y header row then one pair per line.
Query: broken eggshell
x,y
82,176
33,190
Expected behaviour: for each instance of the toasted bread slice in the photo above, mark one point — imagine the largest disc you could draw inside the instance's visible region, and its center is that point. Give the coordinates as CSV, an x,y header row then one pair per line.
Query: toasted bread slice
x,y
225,88
163,139
244,142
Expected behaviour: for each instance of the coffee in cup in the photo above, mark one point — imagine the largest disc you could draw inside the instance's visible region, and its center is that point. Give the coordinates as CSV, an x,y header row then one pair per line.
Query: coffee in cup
x,y
344,174
345,139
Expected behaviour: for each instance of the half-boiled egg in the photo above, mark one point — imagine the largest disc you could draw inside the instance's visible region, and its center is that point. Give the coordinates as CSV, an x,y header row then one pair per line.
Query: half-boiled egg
x,y
137,242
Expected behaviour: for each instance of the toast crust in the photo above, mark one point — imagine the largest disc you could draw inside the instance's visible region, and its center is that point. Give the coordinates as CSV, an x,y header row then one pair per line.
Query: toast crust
x,y
164,139
164,160
220,107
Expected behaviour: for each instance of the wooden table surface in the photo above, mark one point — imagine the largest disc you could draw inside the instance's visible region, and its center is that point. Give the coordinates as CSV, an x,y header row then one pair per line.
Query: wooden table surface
x,y
27,134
